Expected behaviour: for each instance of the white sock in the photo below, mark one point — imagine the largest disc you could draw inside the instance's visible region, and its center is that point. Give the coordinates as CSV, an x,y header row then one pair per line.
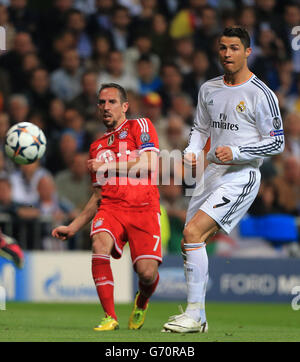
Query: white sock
x,y
196,274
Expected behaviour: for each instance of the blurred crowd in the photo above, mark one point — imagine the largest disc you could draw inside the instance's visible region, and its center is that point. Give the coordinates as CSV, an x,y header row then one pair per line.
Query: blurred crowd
x,y
59,52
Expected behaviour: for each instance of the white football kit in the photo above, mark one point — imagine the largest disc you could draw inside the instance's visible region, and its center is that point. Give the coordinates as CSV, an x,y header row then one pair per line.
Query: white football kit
x,y
246,118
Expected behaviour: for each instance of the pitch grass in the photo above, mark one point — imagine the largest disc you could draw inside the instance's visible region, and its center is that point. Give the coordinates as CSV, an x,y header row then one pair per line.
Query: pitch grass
x,y
231,322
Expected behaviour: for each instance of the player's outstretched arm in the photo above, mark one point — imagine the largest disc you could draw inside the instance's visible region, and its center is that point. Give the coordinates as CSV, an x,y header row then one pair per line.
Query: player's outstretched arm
x,y
65,232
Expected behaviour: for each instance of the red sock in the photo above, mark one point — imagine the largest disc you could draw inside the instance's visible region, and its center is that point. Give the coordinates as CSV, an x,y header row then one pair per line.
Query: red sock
x,y
104,281
146,290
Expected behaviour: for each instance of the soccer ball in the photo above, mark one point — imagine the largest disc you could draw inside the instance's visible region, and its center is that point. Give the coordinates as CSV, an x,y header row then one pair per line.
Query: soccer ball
x,y
25,143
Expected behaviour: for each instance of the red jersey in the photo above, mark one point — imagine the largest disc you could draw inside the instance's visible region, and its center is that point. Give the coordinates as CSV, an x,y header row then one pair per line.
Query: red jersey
x,y
126,143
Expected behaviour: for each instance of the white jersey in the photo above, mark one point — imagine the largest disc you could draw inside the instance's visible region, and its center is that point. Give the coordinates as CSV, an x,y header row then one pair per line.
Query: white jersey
x,y
245,117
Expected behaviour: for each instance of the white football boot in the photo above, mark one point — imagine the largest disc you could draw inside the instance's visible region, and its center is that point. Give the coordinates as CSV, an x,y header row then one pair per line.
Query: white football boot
x,y
183,323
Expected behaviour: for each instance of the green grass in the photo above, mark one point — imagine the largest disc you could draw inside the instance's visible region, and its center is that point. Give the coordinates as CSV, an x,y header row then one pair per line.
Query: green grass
x,y
231,322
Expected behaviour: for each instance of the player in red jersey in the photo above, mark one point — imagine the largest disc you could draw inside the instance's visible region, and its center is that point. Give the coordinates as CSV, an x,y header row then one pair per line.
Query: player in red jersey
x,y
124,206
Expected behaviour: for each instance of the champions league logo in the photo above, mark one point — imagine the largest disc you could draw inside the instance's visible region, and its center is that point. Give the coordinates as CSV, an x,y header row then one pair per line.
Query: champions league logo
x,y
276,123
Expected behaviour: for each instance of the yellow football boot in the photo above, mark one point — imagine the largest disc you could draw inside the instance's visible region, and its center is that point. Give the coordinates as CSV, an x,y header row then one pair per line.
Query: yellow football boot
x,y
137,316
107,324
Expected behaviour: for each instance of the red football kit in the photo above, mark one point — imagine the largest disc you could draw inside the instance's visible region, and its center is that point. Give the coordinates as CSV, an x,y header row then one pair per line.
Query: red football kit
x,y
129,209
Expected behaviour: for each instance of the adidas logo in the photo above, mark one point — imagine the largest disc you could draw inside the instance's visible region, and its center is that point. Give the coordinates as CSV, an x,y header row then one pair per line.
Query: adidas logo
x,y
211,102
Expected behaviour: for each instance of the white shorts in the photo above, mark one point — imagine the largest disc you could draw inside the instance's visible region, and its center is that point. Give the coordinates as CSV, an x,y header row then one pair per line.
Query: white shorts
x,y
227,194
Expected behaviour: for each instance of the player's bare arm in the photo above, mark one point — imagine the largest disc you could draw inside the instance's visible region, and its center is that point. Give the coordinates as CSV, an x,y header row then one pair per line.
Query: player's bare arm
x,y
65,232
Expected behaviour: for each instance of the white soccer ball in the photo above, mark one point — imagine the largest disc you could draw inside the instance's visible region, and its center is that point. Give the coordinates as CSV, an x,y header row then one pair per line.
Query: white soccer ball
x,y
25,143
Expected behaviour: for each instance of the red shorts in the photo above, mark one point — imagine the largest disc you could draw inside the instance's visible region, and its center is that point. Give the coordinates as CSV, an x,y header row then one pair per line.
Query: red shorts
x,y
140,229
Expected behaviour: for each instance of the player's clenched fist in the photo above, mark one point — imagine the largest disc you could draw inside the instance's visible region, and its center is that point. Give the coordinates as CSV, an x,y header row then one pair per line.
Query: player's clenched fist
x,y
63,232
224,153
94,165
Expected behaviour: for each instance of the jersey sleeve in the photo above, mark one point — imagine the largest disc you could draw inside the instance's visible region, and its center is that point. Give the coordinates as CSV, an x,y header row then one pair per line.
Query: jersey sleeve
x,y
146,136
270,127
200,131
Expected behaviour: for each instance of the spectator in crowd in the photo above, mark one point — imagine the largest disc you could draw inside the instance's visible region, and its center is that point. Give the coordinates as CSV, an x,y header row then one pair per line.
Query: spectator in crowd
x,y
65,82
201,71
142,46
74,124
265,14
187,20
60,158
116,73
182,105
176,134
55,122
135,104
292,101
100,22
287,186
23,17
52,56
76,24
271,50
266,200
208,28
145,15
292,134
15,212
12,60
52,22
53,210
98,59
172,84
24,183
184,51
120,31
74,183
18,108
247,18
86,101
148,80
152,106
39,93
160,37
285,80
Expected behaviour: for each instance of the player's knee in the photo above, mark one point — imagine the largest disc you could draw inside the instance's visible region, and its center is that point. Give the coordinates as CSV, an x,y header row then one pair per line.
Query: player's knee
x,y
191,234
147,274
101,245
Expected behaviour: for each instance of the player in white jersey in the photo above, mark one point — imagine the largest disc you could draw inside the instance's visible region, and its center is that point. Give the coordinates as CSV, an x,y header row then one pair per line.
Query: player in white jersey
x,y
241,116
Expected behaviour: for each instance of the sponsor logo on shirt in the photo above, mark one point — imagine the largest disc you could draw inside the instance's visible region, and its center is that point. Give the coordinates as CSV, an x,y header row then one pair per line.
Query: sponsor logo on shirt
x,y
223,124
